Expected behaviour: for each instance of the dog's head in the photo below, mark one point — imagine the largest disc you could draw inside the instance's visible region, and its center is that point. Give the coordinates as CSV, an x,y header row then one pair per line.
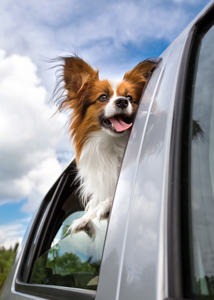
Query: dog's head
x,y
95,104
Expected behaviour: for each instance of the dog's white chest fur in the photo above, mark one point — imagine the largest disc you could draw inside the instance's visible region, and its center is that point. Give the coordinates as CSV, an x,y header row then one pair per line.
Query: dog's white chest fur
x,y
99,166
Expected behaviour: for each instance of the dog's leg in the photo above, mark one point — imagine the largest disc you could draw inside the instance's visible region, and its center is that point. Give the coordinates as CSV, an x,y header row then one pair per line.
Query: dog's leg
x,y
85,223
103,209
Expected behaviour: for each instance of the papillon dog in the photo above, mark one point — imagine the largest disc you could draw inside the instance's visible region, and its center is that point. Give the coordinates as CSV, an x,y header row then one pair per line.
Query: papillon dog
x,y
101,116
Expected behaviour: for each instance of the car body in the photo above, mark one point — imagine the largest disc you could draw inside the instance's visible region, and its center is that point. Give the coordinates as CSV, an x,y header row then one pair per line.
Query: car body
x,y
151,249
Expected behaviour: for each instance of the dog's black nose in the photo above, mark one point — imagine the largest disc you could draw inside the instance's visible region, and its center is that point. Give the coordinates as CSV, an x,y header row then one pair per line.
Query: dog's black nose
x,y
122,103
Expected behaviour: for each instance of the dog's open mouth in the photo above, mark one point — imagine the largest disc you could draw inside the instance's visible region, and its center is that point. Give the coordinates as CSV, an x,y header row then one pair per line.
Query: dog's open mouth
x,y
118,123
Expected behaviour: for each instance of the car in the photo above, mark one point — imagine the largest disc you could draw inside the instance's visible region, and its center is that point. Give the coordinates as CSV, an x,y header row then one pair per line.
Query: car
x,y
158,242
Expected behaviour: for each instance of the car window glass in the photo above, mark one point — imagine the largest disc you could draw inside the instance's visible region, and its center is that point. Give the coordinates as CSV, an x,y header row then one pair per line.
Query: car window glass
x,y
201,192
74,261
64,228
65,259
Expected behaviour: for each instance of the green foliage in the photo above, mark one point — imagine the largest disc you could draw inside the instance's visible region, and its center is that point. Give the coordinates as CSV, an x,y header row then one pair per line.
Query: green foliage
x,y
6,259
205,286
69,263
66,231
51,267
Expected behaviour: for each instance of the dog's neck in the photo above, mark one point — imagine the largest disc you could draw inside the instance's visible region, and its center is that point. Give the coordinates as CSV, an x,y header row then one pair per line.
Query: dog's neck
x,y
99,165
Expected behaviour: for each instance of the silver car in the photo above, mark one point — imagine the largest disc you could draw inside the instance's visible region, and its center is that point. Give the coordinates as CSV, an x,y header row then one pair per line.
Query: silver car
x,y
158,242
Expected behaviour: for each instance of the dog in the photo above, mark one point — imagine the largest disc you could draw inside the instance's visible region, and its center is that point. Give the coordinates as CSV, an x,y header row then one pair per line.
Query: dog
x,y
101,116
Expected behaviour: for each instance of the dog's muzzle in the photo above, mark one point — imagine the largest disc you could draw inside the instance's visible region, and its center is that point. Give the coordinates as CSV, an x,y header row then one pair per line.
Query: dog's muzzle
x,y
122,102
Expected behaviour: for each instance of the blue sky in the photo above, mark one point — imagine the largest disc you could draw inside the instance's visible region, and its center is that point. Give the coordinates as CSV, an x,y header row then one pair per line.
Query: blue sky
x,y
111,35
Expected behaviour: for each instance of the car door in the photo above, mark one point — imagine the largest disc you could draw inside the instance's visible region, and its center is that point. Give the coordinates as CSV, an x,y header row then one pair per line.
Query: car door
x,y
161,230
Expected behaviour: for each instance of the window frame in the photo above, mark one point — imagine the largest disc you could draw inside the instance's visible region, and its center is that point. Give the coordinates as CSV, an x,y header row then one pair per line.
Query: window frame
x,y
186,209
178,163
34,246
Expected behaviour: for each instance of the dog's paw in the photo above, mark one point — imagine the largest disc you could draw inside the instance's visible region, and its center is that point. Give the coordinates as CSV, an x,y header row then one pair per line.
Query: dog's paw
x,y
104,209
84,225
90,229
79,225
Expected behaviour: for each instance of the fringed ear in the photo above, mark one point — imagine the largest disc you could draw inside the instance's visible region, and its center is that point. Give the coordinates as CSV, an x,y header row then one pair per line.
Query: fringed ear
x,y
141,72
74,77
77,74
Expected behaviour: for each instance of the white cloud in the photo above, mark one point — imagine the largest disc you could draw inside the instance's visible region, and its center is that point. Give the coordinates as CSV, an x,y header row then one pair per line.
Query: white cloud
x,y
187,1
97,29
30,139
48,171
13,233
112,36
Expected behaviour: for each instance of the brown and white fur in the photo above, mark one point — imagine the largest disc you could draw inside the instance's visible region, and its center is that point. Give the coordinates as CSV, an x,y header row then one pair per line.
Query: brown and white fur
x,y
99,126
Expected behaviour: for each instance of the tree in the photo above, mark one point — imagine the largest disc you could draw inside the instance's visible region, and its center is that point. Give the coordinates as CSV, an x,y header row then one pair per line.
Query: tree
x,y
6,259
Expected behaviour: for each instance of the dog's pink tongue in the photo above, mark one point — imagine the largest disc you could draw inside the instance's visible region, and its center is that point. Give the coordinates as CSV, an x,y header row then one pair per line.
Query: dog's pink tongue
x,y
119,124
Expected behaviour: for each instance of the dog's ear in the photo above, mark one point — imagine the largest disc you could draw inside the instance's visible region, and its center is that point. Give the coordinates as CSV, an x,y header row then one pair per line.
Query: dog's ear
x,y
78,74
139,74
141,71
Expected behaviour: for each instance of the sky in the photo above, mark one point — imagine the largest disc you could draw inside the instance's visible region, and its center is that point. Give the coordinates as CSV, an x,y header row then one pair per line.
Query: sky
x,y
112,36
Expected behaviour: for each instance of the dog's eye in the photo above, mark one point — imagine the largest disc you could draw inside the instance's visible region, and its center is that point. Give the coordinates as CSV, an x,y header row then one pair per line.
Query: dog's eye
x,y
129,97
103,97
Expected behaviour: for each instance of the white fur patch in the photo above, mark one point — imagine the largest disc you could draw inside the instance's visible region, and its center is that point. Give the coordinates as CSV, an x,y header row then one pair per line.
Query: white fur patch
x,y
111,109
98,167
